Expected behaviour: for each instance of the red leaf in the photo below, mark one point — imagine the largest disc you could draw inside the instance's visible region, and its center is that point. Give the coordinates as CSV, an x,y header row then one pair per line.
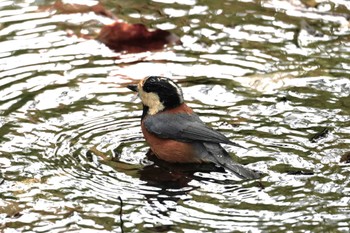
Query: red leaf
x,y
135,37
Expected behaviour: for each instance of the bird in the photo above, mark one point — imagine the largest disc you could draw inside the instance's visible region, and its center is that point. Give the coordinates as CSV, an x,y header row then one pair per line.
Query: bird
x,y
176,134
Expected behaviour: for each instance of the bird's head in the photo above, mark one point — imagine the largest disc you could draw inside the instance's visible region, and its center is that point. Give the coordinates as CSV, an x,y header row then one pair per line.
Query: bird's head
x,y
158,93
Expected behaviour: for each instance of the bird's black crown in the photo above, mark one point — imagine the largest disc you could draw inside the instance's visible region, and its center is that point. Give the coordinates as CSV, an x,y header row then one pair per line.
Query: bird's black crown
x,y
170,94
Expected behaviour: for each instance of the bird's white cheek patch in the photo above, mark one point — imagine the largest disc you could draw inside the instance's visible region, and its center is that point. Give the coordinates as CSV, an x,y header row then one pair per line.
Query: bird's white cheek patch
x,y
151,100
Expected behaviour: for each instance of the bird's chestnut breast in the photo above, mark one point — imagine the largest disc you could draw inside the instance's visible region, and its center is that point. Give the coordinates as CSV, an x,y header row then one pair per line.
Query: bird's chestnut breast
x,y
168,149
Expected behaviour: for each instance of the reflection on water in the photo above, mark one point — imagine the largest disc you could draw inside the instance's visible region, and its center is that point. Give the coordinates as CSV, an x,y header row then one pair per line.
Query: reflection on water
x,y
271,75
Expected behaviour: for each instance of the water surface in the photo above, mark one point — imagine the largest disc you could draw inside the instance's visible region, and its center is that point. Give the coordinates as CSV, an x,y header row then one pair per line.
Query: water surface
x,y
271,75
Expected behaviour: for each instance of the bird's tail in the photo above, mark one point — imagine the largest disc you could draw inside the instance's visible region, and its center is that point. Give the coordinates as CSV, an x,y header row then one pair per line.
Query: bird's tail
x,y
238,169
222,158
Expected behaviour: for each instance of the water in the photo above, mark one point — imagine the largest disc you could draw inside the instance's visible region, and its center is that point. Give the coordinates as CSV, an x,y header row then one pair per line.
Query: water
x,y
271,75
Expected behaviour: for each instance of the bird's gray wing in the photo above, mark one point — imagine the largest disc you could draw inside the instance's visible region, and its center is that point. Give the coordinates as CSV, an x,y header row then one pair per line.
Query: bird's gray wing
x,y
183,127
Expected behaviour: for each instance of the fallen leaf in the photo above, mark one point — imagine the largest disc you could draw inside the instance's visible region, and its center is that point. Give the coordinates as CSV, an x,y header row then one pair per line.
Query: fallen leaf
x,y
98,153
118,36
345,157
10,208
310,3
73,8
135,38
319,135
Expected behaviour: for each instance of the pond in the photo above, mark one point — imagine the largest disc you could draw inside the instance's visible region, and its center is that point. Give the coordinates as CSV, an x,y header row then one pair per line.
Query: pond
x,y
271,75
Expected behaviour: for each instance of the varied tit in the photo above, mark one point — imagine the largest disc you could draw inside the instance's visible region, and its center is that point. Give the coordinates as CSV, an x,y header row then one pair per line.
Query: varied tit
x,y
175,133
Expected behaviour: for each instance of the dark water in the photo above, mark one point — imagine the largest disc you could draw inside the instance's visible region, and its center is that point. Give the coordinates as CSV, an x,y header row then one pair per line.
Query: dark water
x,y
271,75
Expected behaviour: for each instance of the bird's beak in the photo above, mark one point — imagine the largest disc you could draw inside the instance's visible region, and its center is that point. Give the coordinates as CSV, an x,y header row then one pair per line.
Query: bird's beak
x,y
132,87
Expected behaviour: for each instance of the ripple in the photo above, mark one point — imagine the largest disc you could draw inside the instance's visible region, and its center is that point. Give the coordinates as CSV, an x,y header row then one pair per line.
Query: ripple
x,y
71,143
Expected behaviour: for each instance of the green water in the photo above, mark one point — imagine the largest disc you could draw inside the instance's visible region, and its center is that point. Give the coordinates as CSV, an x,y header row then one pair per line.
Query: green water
x,y
271,75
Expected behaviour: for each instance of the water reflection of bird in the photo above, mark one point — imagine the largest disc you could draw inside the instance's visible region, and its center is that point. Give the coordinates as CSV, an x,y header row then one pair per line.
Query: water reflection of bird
x,y
175,133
